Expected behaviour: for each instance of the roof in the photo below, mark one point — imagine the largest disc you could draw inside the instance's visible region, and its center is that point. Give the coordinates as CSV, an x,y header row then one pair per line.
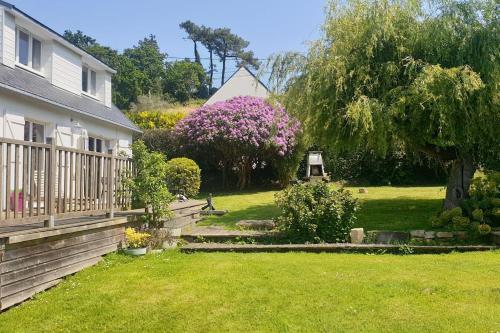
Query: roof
x,y
242,83
32,85
60,37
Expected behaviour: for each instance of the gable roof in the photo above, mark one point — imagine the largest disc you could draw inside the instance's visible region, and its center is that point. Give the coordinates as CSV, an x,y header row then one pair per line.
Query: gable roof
x,y
60,38
31,85
242,83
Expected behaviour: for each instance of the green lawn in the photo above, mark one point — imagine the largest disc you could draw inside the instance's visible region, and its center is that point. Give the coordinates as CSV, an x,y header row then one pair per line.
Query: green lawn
x,y
294,292
382,208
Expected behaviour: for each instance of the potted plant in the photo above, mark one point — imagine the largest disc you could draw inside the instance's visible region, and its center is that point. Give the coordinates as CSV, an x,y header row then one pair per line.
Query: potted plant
x,y
136,242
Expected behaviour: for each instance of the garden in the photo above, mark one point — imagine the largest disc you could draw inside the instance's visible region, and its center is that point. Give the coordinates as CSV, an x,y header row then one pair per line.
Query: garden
x,y
401,101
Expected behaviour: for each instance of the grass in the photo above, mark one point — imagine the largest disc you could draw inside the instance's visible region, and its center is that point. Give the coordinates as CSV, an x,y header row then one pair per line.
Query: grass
x,y
382,208
293,292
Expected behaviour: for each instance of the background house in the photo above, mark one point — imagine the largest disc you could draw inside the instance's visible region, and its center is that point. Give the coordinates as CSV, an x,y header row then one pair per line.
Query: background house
x,y
242,83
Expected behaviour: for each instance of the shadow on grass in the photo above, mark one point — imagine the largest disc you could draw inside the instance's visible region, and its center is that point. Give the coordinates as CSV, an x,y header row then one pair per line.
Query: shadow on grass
x,y
397,214
256,212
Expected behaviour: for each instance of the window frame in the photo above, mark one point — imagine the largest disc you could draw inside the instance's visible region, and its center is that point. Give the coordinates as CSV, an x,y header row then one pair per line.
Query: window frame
x,y
95,139
31,37
32,123
91,81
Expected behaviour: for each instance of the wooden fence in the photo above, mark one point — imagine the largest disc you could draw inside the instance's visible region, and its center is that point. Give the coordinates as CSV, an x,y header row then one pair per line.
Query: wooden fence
x,y
43,182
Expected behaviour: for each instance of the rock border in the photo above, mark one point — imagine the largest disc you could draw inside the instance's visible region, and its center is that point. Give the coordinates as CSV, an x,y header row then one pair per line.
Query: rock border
x,y
333,248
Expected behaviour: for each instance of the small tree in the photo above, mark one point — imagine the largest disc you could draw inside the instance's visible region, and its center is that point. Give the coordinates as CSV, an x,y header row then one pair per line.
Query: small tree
x,y
239,134
149,186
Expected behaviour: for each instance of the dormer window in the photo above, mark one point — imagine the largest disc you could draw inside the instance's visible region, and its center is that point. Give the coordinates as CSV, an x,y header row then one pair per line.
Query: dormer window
x,y
89,81
29,50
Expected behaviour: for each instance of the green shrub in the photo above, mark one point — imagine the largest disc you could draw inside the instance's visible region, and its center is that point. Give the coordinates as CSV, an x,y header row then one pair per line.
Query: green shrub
x,y
486,187
484,229
485,196
448,215
436,222
460,222
183,176
315,212
478,215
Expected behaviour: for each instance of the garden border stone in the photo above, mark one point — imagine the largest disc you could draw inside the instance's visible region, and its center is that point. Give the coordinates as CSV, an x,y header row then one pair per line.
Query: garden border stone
x,y
331,248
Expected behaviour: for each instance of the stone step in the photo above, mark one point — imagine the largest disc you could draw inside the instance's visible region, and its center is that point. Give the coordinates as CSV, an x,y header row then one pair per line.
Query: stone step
x,y
228,236
182,221
186,205
186,212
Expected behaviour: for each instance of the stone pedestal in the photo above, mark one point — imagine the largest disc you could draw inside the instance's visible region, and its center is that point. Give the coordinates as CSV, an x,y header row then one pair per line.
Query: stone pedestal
x,y
357,235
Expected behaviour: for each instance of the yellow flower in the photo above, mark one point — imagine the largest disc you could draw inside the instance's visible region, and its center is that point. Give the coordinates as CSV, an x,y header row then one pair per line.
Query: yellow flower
x,y
136,240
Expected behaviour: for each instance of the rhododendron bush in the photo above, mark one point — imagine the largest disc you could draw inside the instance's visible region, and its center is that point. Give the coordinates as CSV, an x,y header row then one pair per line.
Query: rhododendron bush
x,y
240,134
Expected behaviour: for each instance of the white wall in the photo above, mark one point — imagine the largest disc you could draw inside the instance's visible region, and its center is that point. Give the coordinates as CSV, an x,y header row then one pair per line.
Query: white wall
x,y
242,83
16,110
47,58
1,34
9,40
107,90
66,69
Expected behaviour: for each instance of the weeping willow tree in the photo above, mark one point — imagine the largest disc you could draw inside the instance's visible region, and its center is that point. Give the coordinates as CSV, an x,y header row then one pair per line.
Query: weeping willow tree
x,y
426,75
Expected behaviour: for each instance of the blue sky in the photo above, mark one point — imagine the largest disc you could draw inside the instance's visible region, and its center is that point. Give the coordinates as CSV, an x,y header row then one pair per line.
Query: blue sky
x,y
269,25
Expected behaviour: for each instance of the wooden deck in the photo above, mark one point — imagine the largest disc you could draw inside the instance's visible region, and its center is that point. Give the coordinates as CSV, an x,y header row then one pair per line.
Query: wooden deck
x,y
34,257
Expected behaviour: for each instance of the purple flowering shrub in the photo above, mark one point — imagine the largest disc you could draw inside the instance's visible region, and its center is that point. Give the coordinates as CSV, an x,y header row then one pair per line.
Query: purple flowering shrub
x,y
240,133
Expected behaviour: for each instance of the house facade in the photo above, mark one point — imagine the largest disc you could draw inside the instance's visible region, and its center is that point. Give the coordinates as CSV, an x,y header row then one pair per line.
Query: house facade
x,y
50,88
242,83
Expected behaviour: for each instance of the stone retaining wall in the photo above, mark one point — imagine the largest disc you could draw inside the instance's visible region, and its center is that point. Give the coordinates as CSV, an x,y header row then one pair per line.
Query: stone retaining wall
x,y
392,237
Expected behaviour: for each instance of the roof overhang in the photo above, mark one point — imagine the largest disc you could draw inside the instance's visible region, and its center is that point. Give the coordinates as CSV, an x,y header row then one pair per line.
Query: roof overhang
x,y
81,112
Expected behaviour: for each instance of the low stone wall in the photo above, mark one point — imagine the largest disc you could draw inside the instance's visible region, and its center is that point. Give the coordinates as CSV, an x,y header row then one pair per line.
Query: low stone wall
x,y
330,248
393,237
36,260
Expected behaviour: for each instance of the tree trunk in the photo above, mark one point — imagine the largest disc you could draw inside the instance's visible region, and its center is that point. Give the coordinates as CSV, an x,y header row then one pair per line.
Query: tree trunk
x,y
244,174
459,180
210,83
224,176
196,53
223,68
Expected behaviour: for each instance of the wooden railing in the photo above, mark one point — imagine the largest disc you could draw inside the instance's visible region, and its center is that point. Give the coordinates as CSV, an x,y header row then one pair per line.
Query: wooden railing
x,y
43,182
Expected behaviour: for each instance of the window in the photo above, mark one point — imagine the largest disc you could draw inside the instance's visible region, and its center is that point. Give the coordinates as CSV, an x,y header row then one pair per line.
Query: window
x,y
93,83
29,50
85,79
34,132
36,54
23,48
95,145
89,81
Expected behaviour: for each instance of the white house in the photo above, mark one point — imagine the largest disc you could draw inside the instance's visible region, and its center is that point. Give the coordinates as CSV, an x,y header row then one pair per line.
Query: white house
x,y
242,83
51,88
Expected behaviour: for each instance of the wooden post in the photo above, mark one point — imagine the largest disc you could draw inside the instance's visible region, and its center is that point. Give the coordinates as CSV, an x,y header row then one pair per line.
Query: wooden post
x,y
51,174
111,175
